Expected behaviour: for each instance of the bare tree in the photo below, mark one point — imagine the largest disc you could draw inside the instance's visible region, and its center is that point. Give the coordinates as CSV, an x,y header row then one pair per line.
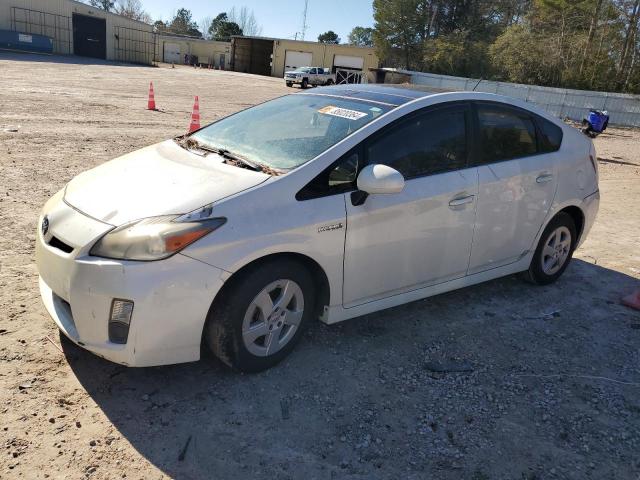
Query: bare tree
x,y
593,25
106,5
629,36
246,20
205,27
132,9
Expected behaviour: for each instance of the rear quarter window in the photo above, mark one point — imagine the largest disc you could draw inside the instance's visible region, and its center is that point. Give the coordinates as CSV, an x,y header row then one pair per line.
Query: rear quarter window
x,y
550,135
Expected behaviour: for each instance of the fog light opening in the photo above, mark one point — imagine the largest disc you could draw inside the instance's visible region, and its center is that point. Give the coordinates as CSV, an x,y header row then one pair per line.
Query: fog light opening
x,y
120,320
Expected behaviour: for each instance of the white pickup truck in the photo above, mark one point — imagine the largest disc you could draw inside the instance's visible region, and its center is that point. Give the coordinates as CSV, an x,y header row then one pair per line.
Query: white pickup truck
x,y
305,76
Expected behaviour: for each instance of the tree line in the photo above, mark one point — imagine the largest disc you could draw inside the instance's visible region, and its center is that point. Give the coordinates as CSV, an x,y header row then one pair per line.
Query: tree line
x,y
221,27
240,21
584,44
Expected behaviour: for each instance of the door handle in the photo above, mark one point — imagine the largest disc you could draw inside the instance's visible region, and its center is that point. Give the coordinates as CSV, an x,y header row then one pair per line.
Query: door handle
x,y
544,178
456,202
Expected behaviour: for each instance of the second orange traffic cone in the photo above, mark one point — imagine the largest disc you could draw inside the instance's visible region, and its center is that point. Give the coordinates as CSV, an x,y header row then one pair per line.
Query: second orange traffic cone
x,y
151,104
195,116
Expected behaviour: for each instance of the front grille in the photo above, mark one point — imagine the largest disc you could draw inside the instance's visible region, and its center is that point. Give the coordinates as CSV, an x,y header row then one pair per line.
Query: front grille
x,y
55,242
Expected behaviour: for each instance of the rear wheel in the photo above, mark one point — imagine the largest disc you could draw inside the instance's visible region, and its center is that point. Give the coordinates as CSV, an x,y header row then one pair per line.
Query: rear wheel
x,y
261,315
329,82
554,251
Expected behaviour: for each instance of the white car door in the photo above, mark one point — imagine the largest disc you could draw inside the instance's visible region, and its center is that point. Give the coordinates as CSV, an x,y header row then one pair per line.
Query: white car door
x,y
423,235
517,185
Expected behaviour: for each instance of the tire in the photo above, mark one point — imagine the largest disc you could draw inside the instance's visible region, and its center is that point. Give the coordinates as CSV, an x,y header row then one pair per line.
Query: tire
x,y
289,84
239,307
305,83
329,83
545,268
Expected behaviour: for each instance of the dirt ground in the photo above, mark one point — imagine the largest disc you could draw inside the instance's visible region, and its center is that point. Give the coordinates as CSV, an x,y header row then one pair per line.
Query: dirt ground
x,y
552,381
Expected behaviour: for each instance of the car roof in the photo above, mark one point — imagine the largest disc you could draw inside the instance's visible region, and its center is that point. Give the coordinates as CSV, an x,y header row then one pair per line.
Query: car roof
x,y
394,96
398,95
390,95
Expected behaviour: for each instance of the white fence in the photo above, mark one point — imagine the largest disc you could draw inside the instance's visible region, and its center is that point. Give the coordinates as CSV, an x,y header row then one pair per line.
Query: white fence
x,y
564,103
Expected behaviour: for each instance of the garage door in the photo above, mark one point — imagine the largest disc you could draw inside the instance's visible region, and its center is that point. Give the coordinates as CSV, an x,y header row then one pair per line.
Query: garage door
x,y
293,60
89,36
172,53
345,61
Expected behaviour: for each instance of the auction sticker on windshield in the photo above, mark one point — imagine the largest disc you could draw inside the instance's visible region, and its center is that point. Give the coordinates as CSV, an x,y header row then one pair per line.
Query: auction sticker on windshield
x,y
342,112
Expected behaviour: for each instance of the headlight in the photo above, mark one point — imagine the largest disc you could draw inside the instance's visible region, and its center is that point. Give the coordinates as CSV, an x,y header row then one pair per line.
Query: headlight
x,y
156,238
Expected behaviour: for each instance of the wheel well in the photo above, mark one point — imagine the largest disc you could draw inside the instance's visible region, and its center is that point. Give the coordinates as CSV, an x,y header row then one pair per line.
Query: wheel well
x,y
578,218
317,272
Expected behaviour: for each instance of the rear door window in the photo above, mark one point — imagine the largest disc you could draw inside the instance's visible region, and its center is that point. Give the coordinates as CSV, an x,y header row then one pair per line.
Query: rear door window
x,y
505,133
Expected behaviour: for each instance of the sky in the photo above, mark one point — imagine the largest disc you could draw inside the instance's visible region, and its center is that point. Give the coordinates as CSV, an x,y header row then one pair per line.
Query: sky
x,y
279,18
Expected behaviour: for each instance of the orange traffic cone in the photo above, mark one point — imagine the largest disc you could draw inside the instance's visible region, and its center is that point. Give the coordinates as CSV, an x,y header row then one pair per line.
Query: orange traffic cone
x,y
632,300
195,116
151,104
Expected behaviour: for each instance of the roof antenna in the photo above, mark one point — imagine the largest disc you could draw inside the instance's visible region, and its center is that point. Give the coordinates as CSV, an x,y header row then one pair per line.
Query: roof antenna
x,y
474,88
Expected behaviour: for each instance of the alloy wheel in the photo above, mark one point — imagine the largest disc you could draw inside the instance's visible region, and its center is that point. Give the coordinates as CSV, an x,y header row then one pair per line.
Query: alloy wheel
x,y
272,318
556,250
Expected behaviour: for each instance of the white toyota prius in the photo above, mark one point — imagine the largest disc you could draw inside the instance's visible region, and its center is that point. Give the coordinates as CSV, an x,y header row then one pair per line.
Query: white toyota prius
x,y
329,204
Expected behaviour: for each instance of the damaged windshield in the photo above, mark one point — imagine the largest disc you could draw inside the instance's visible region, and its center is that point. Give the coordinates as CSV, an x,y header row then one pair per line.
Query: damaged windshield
x,y
289,131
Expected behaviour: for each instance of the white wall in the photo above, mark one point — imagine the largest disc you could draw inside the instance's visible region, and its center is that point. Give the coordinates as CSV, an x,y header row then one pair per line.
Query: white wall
x,y
562,102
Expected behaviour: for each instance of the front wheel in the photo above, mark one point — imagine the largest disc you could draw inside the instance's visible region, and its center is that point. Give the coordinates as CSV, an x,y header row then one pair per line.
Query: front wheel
x,y
554,251
305,83
261,315
289,84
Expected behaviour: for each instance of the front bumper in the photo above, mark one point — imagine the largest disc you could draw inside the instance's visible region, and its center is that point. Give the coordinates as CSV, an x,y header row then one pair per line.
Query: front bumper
x,y
293,79
171,297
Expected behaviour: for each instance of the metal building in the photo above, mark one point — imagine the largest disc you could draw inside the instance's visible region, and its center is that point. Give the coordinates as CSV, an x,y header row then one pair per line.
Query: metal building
x,y
274,56
68,27
181,49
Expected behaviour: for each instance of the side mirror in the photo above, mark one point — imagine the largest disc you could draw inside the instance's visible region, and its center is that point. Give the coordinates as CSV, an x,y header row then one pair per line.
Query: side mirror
x,y
380,179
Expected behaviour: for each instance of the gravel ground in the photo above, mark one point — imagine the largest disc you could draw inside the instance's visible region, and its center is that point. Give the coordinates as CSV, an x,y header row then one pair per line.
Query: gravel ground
x,y
545,381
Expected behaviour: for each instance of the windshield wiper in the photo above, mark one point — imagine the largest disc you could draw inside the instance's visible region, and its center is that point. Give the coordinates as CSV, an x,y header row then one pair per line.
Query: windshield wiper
x,y
232,158
236,159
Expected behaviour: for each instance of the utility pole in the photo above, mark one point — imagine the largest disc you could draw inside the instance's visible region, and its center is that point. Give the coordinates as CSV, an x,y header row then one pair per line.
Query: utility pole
x,y
304,19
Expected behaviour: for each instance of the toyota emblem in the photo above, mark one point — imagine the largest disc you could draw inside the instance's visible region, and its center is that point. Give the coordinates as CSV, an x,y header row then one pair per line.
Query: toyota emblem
x,y
45,225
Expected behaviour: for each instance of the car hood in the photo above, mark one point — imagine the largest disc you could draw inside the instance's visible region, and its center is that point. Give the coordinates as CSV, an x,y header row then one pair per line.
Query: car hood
x,y
161,179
